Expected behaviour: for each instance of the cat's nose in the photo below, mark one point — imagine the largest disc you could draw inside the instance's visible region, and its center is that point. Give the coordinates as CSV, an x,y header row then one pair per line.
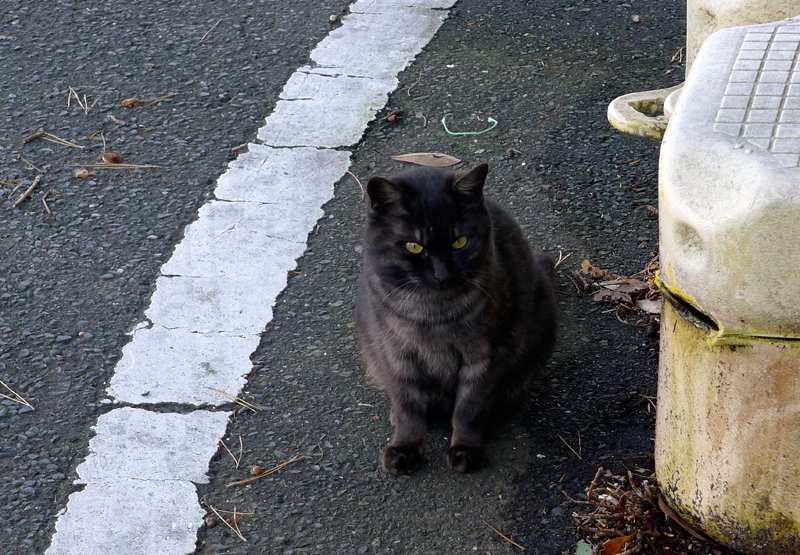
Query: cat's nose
x,y
440,271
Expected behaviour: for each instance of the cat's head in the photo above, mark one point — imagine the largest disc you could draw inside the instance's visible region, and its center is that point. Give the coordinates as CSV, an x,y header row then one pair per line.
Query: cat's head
x,y
428,227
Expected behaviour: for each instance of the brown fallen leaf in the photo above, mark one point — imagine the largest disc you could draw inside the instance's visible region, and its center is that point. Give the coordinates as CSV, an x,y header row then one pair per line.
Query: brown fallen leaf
x,y
594,271
625,285
651,306
685,524
616,545
134,101
112,157
611,295
431,159
83,172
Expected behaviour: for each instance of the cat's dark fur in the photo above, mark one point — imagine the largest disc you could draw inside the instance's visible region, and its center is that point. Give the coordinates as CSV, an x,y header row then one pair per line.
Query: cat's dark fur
x,y
460,330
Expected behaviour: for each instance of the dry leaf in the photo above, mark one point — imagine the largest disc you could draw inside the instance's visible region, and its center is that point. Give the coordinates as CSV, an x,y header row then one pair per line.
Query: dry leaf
x,y
685,524
609,295
82,173
625,285
131,102
432,159
616,545
112,157
650,306
593,271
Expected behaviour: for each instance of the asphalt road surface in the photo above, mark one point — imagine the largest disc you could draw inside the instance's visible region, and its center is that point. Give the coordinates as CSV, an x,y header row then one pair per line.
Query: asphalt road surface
x,y
91,268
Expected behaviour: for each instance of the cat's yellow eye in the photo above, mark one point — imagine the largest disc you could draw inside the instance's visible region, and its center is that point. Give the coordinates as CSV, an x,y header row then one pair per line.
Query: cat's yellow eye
x,y
460,242
414,248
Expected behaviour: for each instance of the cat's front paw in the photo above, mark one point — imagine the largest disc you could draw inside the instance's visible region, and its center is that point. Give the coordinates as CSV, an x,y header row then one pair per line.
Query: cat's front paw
x,y
402,459
466,459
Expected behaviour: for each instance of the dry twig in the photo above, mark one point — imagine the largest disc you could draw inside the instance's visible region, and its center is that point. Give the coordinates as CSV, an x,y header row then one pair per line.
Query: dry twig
x,y
28,192
159,99
24,160
134,101
237,400
354,177
561,259
594,483
395,116
106,166
237,516
207,32
17,183
499,533
578,452
44,201
83,104
318,446
17,398
33,137
59,141
267,472
415,83
578,281
238,459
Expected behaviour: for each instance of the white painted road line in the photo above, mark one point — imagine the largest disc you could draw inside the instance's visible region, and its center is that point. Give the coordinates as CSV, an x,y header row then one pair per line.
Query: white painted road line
x,y
165,365
140,495
274,197
216,293
281,175
342,106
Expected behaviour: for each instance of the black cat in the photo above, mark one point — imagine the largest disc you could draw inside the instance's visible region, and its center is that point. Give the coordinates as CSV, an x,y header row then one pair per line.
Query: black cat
x,y
455,312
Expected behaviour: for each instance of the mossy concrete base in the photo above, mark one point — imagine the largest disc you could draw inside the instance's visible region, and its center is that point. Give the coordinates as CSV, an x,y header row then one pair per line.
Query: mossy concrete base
x,y
728,436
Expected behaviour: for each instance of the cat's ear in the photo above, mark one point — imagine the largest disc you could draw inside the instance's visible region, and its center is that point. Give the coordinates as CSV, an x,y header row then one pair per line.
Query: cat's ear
x,y
382,193
471,183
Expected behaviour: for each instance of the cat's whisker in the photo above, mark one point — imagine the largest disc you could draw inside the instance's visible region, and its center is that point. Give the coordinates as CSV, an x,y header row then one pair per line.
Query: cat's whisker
x,y
396,286
461,216
485,292
410,293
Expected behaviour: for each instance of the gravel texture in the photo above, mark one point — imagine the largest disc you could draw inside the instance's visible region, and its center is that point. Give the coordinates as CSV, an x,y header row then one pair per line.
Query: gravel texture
x,y
74,282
